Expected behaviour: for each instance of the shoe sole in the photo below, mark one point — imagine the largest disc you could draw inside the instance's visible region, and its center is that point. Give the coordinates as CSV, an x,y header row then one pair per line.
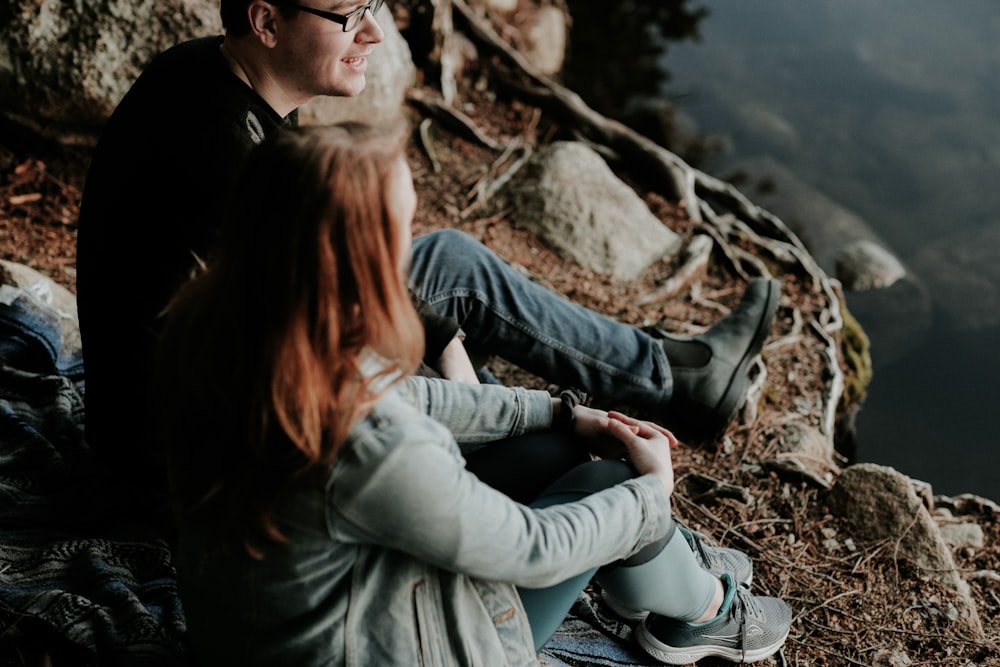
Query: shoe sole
x,y
685,656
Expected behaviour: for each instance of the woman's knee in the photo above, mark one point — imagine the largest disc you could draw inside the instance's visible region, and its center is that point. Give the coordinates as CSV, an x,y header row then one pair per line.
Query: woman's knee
x,y
591,477
524,466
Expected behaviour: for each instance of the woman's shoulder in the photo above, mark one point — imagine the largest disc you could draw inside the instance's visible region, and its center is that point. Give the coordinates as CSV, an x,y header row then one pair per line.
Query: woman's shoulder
x,y
395,422
394,409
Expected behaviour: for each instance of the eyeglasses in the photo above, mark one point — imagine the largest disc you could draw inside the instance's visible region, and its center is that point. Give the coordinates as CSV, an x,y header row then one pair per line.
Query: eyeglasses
x,y
348,21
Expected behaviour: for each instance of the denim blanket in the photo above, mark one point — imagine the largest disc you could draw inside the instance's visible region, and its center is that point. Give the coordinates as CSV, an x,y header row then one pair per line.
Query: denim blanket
x,y
78,568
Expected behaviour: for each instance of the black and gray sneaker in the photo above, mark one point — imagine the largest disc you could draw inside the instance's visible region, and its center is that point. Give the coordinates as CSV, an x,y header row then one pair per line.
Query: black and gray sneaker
x,y
712,558
747,629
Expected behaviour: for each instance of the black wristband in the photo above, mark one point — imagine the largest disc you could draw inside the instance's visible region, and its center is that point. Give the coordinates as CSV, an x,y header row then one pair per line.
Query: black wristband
x,y
565,420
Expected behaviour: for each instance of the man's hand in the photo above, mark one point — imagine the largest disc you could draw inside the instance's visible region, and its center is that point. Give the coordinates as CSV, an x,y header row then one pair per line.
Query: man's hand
x,y
455,363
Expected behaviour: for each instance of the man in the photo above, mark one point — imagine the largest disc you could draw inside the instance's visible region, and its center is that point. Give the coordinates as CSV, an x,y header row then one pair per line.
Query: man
x,y
159,178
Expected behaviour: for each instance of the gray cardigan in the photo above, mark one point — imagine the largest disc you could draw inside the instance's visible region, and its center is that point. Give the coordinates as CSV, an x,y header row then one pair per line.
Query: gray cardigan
x,y
401,556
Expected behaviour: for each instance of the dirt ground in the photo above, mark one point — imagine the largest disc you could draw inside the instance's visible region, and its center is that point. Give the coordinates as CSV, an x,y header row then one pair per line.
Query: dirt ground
x,y
853,606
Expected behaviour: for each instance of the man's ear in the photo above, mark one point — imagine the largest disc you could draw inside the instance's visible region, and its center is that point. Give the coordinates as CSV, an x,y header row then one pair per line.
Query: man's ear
x,y
263,22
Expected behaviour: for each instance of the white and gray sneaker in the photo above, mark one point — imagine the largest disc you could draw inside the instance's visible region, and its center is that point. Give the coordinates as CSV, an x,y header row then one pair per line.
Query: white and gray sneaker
x,y
711,557
747,628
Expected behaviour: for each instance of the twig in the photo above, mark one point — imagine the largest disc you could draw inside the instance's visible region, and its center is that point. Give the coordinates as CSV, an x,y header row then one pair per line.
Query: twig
x,y
489,184
451,118
694,259
826,603
747,542
428,145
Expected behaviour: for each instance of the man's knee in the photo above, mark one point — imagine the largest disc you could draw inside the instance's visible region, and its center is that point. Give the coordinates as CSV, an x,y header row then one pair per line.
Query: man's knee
x,y
446,240
451,246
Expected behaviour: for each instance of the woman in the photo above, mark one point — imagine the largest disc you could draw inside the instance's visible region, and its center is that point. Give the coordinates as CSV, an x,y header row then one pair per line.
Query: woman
x,y
325,511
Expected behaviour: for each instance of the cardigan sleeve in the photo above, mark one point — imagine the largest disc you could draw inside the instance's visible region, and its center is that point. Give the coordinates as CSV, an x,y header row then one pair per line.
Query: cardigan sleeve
x,y
479,413
403,486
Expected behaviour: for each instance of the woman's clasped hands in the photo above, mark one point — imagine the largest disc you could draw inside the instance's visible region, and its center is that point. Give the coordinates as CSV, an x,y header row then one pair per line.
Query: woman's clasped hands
x,y
645,444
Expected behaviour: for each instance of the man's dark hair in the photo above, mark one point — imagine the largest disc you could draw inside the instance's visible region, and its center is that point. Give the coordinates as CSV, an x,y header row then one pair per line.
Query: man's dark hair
x,y
234,16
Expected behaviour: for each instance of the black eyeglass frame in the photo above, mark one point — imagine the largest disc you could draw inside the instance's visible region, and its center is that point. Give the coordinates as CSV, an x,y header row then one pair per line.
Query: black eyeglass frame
x,y
355,17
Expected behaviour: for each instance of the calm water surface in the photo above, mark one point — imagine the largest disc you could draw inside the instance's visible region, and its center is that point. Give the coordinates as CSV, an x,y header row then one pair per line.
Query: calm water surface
x,y
892,109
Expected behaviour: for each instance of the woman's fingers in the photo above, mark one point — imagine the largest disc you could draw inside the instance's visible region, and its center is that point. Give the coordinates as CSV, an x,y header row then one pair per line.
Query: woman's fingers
x,y
623,418
640,426
648,449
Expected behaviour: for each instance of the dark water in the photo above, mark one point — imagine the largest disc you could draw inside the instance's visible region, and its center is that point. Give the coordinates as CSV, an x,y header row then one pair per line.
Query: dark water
x,y
891,109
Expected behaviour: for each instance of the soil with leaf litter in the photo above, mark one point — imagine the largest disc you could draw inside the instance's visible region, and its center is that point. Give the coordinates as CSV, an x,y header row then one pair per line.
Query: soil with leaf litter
x,y
854,603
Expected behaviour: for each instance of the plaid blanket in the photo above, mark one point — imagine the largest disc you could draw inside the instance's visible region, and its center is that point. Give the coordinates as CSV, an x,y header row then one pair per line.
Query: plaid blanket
x,y
76,570
592,636
105,586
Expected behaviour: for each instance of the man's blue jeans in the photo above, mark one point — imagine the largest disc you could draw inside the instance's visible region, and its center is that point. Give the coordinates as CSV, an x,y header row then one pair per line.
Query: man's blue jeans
x,y
507,315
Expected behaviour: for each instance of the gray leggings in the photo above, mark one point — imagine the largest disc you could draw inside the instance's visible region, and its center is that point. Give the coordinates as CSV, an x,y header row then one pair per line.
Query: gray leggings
x,y
550,468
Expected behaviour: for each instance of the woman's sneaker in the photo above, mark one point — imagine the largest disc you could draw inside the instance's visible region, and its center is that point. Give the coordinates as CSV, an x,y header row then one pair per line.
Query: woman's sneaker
x,y
747,629
714,559
718,560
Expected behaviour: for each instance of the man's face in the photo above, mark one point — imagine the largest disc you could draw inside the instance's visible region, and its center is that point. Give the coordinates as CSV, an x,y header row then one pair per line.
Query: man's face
x,y
316,57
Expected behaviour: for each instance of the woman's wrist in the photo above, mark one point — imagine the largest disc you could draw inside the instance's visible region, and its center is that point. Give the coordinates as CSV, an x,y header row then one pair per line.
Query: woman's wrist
x,y
563,417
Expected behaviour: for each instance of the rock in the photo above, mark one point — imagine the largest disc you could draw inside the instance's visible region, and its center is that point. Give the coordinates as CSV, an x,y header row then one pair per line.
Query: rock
x,y
962,273
889,300
865,265
963,534
891,658
95,49
573,201
545,40
968,504
769,125
60,302
880,504
98,48
804,451
834,235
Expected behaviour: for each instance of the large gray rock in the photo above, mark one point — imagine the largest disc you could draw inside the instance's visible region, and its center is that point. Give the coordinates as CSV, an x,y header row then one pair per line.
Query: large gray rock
x,y
573,201
64,65
881,505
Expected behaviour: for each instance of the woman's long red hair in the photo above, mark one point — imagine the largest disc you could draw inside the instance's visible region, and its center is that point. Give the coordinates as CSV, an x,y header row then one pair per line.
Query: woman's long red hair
x,y
260,366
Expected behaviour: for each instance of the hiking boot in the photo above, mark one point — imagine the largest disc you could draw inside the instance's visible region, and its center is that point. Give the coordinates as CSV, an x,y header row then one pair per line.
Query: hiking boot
x,y
747,629
709,369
